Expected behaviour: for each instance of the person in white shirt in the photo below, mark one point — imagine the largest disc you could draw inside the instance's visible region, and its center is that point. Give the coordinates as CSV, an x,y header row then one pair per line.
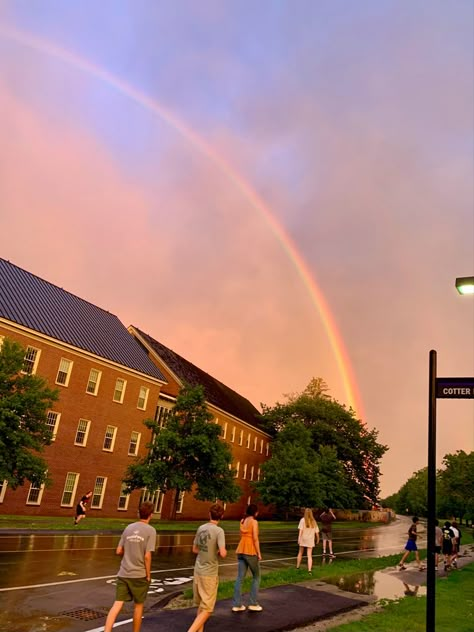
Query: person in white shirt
x,y
308,531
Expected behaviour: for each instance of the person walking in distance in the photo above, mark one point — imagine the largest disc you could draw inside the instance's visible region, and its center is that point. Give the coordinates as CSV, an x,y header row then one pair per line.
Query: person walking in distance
x,y
438,542
327,518
308,530
410,546
81,508
249,557
136,545
209,542
448,540
456,543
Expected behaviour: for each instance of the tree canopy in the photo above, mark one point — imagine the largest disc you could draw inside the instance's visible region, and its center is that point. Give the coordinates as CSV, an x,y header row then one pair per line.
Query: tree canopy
x,y
187,452
24,403
356,451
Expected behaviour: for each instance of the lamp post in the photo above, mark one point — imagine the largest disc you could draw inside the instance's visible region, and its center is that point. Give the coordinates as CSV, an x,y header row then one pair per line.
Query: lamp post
x,y
465,285
452,388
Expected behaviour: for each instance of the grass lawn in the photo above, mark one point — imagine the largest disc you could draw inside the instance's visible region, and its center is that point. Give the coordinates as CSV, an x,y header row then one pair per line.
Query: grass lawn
x,y
454,609
35,523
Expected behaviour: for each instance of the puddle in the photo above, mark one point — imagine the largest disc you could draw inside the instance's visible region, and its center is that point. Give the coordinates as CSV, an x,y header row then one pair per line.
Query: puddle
x,y
381,584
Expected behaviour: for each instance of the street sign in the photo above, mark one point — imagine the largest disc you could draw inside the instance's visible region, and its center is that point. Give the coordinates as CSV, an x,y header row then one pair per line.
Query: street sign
x,y
455,387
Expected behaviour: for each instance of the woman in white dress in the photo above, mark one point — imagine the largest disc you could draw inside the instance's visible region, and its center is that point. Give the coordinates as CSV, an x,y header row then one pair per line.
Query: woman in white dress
x,y
308,532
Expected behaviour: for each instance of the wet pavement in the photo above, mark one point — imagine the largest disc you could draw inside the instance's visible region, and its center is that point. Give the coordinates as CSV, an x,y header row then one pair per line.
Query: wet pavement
x,y
64,582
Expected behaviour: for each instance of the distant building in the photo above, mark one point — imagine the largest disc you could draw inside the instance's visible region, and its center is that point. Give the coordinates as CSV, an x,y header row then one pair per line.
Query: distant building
x,y
108,386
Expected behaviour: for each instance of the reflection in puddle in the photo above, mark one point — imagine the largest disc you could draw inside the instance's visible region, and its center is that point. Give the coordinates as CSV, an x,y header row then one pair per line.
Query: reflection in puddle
x,y
381,584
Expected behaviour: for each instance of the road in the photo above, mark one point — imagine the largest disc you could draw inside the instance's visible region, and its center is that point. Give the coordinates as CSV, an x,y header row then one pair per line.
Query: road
x,y
63,582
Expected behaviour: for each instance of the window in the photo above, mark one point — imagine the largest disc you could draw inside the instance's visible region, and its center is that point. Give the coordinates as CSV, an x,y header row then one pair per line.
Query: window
x,y
2,338
268,449
64,372
52,421
241,437
248,440
82,432
35,494
123,499
156,498
179,508
119,391
99,492
134,443
255,444
162,414
224,430
258,474
261,446
109,439
252,469
93,383
3,485
244,473
237,469
249,500
143,397
69,490
232,435
30,361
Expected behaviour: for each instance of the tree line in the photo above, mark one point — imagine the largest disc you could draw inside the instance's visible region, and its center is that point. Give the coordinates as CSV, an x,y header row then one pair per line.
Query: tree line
x,y
322,455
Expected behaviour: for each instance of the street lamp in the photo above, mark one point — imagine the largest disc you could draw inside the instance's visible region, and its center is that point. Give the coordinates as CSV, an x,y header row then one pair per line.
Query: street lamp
x,y
451,388
465,285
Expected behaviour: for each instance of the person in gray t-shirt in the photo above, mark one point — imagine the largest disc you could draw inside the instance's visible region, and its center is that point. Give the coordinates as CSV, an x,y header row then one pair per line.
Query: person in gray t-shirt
x,y
209,542
136,545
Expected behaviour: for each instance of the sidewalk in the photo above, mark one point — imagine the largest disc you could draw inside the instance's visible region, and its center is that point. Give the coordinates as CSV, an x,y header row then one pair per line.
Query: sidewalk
x,y
284,607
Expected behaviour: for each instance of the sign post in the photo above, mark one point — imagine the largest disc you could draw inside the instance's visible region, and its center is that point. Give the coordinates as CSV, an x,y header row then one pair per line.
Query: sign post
x,y
439,387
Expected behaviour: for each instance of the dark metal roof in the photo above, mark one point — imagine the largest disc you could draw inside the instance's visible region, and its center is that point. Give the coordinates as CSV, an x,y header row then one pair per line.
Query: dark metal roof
x,y
216,393
27,300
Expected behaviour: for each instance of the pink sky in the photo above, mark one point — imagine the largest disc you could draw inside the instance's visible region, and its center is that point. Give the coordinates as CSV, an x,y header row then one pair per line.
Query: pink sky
x,y
370,172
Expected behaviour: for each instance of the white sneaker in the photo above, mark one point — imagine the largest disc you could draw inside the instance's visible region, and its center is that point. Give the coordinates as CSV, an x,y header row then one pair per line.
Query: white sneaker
x,y
238,608
256,608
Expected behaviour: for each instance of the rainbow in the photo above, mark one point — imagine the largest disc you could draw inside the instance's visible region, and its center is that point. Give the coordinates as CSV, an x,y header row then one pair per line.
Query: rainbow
x,y
317,298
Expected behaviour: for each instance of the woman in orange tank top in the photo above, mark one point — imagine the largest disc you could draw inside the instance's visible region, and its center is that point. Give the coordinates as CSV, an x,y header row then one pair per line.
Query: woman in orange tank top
x,y
249,556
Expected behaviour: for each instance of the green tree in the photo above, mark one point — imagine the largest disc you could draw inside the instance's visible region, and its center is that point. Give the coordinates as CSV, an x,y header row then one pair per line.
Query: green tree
x,y
332,424
456,485
24,403
187,452
412,498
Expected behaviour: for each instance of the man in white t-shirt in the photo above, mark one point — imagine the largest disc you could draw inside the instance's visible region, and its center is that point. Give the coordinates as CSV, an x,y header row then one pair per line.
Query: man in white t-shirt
x,y
136,545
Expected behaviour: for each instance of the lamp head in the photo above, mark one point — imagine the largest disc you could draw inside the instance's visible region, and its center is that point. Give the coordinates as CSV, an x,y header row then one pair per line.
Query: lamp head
x,y
465,285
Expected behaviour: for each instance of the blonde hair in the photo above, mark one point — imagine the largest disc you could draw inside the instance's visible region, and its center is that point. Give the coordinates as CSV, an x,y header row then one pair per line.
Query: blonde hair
x,y
309,521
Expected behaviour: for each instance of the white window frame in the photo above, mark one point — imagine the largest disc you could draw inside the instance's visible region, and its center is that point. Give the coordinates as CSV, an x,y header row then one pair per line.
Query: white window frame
x,y
110,434
143,397
252,471
53,427
120,392
156,498
237,469
65,367
136,443
258,474
232,435
86,432
224,430
98,493
179,508
241,437
244,473
3,485
70,487
95,383
34,361
249,500
261,446
248,440
162,414
255,443
267,452
35,488
2,338
124,498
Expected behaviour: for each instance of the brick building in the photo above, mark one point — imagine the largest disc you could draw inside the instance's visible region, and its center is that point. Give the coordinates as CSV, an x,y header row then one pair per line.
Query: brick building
x,y
236,415
108,385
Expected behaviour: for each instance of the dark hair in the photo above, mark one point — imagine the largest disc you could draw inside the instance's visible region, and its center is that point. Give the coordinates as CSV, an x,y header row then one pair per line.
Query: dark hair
x,y
145,510
436,523
251,510
216,511
447,524
415,519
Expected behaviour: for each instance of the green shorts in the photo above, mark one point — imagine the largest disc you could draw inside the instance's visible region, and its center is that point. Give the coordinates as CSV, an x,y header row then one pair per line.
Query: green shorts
x,y
132,588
